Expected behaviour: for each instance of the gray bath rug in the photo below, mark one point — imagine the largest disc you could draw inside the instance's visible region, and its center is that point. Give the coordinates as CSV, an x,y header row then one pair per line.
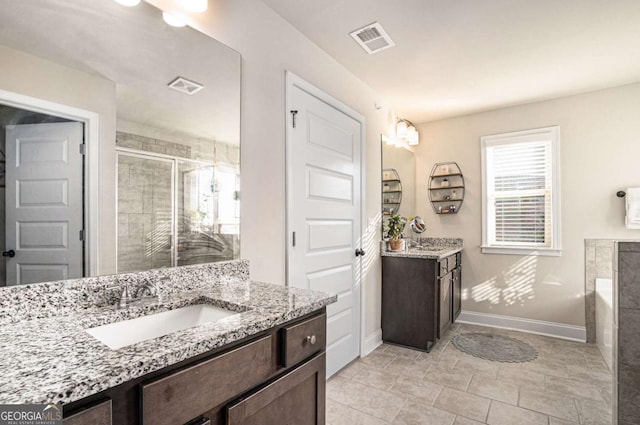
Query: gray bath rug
x,y
496,348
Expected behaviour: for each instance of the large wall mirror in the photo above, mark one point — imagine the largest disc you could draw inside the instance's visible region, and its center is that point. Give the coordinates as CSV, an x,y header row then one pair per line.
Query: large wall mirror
x,y
398,180
119,142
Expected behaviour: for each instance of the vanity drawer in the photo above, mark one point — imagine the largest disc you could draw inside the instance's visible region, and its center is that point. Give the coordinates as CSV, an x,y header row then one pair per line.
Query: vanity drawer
x,y
99,414
186,394
303,339
447,264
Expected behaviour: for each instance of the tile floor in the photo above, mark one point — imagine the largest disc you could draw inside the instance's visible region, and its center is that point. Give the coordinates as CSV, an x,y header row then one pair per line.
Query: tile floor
x,y
568,383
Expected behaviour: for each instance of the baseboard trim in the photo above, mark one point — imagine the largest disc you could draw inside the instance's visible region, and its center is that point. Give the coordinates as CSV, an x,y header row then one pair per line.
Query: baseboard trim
x,y
371,342
539,327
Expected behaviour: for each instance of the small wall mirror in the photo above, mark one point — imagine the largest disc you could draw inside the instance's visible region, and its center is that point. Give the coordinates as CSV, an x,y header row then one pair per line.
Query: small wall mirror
x,y
119,138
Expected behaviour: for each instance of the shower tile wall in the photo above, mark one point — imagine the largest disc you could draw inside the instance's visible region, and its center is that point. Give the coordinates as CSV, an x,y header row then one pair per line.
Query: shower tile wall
x,y
144,214
148,144
598,265
626,323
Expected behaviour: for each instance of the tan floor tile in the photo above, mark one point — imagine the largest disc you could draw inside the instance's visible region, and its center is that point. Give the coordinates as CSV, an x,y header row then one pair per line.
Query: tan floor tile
x,y
464,404
556,421
505,392
457,380
477,366
417,389
516,374
550,404
461,420
590,375
376,378
352,369
594,413
505,414
402,352
572,387
418,414
440,362
547,367
381,384
378,360
339,414
380,404
407,367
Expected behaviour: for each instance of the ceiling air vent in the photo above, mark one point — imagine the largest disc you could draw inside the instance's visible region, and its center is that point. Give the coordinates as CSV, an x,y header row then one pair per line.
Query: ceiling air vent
x,y
185,86
372,38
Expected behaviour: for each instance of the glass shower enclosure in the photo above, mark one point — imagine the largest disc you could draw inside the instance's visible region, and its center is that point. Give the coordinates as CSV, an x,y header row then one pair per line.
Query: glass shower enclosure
x,y
175,211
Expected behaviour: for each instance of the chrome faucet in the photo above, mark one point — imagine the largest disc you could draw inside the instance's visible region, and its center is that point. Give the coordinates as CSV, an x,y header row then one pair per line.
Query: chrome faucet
x,y
145,292
124,299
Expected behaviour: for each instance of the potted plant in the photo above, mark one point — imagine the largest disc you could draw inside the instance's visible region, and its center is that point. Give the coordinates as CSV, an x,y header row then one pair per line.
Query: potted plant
x,y
395,227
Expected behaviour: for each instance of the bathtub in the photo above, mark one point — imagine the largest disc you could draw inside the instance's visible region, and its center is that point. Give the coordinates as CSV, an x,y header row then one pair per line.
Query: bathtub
x,y
604,319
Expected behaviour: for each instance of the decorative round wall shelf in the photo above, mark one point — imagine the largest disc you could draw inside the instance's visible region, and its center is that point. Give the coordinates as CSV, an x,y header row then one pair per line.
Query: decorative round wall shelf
x,y
391,191
446,188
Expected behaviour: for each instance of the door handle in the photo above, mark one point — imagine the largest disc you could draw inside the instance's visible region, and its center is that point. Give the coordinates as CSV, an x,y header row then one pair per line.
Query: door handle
x,y
11,253
359,252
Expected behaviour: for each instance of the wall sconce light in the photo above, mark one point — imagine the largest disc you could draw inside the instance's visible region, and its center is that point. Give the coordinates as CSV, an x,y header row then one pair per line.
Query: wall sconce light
x,y
402,133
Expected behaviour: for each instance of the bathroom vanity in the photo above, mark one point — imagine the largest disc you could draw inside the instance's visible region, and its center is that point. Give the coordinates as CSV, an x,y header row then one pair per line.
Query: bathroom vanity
x,y
264,363
421,292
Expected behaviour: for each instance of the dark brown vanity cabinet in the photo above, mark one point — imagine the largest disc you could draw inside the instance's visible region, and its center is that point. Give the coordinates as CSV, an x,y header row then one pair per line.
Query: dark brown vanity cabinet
x,y
420,299
274,378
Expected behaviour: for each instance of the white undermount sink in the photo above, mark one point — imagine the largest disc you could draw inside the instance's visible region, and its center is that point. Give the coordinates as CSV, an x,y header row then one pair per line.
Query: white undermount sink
x,y
120,334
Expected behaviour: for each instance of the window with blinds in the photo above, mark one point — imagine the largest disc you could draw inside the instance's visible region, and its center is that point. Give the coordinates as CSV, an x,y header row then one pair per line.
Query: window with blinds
x,y
519,192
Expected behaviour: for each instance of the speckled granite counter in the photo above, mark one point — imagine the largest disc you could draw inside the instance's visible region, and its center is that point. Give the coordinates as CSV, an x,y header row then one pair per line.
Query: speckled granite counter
x,y
50,358
429,248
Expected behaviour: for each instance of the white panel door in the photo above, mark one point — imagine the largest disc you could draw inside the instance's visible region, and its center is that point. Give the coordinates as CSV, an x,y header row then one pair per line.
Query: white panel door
x,y
324,213
44,205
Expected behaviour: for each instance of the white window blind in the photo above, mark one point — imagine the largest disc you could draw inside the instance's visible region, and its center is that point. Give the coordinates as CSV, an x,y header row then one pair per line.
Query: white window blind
x,y
519,184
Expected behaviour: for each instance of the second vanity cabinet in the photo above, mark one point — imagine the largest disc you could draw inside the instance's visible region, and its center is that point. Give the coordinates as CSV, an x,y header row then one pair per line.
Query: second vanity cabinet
x,y
274,378
421,297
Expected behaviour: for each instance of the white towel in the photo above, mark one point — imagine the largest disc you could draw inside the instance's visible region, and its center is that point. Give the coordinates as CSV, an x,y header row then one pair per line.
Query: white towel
x,y
632,198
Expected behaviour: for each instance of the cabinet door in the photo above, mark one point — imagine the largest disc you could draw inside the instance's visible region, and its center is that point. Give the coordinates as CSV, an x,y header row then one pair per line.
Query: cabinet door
x,y
297,398
457,292
445,304
99,414
188,393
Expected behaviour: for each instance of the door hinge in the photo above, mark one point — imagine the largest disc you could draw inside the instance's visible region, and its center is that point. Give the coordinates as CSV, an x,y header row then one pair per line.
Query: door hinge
x,y
293,239
293,118
81,235
83,149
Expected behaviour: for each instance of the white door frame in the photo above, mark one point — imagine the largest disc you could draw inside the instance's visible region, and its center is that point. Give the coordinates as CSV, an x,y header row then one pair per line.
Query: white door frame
x,y
292,80
91,140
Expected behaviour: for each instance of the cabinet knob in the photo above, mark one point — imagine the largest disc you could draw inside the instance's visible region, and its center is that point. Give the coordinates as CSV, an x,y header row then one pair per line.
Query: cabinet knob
x,y
311,339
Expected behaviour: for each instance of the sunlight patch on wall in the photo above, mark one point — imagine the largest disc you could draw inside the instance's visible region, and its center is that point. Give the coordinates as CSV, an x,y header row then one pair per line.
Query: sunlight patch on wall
x,y
514,286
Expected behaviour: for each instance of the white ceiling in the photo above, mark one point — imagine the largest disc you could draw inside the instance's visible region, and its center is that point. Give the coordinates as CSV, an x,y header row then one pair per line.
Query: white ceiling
x,y
134,48
455,57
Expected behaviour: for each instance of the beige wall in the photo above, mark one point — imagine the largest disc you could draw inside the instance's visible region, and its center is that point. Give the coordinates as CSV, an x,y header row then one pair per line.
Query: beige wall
x,y
269,46
28,75
600,151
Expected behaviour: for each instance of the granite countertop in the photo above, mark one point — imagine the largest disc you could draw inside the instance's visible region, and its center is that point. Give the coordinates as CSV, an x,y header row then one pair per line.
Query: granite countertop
x,y
427,248
53,360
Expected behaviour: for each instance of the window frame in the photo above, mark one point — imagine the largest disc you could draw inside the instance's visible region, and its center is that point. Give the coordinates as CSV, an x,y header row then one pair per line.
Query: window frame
x,y
516,137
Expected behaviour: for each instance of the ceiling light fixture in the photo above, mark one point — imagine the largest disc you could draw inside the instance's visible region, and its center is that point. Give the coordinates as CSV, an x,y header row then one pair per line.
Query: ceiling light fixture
x,y
172,20
128,3
194,5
